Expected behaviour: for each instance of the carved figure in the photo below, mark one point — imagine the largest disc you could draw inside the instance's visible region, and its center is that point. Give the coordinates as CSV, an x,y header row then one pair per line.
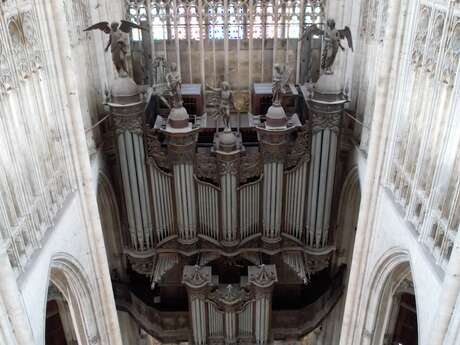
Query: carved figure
x,y
159,70
225,102
279,83
174,83
118,41
331,42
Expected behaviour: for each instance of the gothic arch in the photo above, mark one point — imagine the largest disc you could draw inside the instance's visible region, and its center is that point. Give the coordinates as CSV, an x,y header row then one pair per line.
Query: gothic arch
x,y
111,225
74,285
349,203
388,280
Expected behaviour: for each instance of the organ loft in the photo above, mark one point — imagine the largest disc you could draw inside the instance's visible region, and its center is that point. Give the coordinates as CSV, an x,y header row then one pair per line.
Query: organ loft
x,y
229,197
229,172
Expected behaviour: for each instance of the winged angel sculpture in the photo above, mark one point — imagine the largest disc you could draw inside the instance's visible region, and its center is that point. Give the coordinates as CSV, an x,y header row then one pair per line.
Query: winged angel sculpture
x,y
332,42
118,41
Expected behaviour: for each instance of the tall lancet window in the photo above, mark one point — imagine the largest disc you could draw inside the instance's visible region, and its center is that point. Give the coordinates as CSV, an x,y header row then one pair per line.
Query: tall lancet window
x,y
292,13
235,21
159,21
135,13
314,11
258,26
216,15
194,23
180,22
270,21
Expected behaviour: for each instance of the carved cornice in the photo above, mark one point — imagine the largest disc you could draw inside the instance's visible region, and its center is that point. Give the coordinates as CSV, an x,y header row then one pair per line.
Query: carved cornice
x,y
131,124
181,146
326,121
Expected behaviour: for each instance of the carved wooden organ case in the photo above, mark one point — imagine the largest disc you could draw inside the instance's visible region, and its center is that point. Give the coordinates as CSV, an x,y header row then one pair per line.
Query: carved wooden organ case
x,y
267,206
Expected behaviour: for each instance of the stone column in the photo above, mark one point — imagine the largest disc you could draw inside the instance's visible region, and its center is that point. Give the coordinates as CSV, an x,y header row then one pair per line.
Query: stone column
x,y
181,149
65,68
228,148
326,110
197,281
11,297
273,138
127,109
261,279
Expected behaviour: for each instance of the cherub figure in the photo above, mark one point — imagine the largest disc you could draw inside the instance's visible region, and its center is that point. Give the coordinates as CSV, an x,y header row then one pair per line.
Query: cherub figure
x,y
118,41
174,83
225,102
331,42
279,83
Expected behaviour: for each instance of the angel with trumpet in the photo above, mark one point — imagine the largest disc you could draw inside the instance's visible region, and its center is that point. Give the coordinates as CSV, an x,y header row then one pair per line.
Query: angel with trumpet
x,y
118,41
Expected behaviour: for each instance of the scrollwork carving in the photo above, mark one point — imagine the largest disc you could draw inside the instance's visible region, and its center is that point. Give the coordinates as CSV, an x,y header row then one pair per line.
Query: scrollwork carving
x,y
300,149
128,123
326,121
153,149
206,166
228,167
250,166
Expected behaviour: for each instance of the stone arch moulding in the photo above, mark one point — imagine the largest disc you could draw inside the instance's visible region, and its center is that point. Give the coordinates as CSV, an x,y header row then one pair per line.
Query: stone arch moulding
x,y
110,216
348,212
75,286
390,271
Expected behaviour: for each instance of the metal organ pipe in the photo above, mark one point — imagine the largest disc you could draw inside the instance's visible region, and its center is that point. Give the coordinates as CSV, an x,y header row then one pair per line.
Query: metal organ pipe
x,y
127,112
326,118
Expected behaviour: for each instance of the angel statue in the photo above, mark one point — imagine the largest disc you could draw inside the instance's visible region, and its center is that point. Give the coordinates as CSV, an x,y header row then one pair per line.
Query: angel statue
x,y
332,42
279,82
225,97
118,41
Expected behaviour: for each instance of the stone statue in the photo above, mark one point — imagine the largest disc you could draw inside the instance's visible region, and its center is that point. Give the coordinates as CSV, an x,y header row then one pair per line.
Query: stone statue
x,y
160,67
174,83
225,102
118,41
331,42
279,83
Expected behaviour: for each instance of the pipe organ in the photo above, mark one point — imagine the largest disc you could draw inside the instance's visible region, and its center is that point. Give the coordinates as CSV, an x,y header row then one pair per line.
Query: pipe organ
x,y
252,201
127,109
230,313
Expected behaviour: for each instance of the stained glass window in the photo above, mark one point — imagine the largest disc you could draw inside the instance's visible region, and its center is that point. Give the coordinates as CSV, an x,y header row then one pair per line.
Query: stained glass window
x,y
313,12
270,23
194,24
216,21
292,21
185,19
235,19
159,29
133,17
258,26
181,24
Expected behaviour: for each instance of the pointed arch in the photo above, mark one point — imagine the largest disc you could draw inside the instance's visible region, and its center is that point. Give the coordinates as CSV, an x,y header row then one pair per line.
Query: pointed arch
x,y
347,220
74,285
388,281
111,225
